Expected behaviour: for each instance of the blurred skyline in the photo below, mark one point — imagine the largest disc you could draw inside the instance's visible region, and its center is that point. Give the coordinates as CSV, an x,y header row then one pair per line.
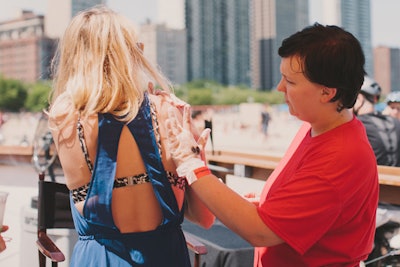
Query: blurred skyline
x,y
384,14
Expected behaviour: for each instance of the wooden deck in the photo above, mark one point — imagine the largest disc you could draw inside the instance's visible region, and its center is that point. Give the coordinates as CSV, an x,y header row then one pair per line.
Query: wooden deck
x,y
243,164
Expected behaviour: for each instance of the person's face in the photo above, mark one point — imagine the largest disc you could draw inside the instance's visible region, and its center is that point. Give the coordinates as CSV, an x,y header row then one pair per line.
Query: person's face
x,y
395,110
302,96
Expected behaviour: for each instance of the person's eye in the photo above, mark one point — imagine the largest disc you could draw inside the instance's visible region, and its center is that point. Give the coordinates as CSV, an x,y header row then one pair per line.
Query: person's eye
x,y
289,81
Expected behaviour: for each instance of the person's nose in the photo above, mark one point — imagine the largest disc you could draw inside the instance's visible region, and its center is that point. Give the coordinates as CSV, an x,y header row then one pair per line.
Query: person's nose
x,y
281,86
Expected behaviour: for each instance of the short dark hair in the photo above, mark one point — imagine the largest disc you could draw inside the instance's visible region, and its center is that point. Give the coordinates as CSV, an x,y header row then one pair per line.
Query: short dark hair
x,y
331,57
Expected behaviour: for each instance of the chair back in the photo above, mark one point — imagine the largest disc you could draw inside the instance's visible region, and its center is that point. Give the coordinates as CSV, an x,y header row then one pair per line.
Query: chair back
x,y
54,211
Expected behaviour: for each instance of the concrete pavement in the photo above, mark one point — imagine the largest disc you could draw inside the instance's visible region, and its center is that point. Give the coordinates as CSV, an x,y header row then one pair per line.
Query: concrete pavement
x,y
21,183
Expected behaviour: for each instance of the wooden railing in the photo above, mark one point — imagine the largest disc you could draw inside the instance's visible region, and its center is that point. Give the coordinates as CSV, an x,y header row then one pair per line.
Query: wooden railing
x,y
260,167
239,163
15,154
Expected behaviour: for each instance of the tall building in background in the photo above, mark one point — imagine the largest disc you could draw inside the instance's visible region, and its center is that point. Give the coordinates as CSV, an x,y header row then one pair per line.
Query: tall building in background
x,y
28,43
387,66
355,17
166,47
271,22
218,41
60,12
25,51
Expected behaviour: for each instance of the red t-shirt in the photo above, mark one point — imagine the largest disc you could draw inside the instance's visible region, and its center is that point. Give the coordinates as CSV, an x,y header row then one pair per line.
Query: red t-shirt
x,y
323,203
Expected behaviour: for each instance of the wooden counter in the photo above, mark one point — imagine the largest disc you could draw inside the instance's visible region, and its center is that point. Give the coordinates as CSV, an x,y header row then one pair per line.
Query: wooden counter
x,y
260,167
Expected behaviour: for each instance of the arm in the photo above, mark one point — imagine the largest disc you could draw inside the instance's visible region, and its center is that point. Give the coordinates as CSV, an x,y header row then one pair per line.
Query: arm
x,y
195,210
233,210
75,169
2,241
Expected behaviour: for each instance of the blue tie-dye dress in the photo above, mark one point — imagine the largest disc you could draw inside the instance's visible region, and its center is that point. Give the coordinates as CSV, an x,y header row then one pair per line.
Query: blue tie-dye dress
x,y
100,242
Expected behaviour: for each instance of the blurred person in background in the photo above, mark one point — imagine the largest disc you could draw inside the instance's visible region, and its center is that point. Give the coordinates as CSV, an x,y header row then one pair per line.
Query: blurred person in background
x,y
265,119
393,105
383,133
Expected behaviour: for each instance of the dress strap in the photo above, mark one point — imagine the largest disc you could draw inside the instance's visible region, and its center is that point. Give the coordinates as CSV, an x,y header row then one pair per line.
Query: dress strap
x,y
81,137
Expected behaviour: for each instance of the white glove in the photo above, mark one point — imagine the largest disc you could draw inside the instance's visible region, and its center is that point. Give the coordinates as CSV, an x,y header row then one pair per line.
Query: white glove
x,y
169,97
184,149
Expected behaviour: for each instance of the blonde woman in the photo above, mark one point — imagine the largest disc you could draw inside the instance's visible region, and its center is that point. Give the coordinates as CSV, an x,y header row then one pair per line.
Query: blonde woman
x,y
127,200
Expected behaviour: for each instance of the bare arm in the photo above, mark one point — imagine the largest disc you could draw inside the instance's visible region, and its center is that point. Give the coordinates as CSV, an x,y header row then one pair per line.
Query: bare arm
x,y
195,209
233,210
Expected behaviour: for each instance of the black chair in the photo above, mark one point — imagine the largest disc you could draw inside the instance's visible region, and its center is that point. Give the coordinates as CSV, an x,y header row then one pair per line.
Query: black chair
x,y
196,247
54,212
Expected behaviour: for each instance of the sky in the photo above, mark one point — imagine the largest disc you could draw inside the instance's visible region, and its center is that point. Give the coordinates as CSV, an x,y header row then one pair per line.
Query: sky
x,y
384,27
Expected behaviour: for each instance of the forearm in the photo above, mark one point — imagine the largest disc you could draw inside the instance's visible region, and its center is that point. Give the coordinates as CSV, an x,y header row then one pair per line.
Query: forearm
x,y
196,211
234,211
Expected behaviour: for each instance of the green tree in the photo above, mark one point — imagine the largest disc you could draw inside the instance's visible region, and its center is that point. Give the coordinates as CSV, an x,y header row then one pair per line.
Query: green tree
x,y
13,94
38,95
203,92
200,97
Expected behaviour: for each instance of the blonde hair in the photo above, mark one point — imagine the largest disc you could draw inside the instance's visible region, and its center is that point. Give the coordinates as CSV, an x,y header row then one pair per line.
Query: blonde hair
x,y
100,68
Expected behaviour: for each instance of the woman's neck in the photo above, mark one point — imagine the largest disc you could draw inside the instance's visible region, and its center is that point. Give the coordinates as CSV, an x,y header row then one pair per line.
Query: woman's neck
x,y
342,117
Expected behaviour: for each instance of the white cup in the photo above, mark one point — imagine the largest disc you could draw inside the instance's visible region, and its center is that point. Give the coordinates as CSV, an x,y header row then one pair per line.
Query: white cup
x,y
3,200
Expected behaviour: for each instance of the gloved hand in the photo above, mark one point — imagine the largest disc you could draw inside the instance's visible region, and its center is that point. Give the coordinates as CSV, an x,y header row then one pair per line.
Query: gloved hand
x,y
187,154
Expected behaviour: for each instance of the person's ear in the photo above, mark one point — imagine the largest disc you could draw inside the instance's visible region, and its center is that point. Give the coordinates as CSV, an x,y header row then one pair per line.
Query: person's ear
x,y
328,93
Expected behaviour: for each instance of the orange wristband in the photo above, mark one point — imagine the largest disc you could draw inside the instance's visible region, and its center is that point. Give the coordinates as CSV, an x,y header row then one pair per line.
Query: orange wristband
x,y
202,171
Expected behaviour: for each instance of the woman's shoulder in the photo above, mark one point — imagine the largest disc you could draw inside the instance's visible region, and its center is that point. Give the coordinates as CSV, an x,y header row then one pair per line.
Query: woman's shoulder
x,y
63,117
164,101
61,109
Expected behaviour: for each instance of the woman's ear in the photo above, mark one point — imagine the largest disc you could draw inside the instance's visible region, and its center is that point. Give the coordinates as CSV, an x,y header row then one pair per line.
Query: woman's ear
x,y
328,93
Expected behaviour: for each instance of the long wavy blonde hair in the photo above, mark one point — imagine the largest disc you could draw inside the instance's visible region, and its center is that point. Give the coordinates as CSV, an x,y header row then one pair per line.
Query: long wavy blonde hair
x,y
99,67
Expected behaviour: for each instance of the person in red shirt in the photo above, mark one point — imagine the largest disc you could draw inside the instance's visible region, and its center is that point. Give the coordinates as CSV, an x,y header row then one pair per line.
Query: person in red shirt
x,y
318,208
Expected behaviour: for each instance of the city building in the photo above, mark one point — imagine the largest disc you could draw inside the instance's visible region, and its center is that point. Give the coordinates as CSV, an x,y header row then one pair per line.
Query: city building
x,y
271,22
386,68
25,51
355,17
166,47
28,42
236,42
60,12
218,41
